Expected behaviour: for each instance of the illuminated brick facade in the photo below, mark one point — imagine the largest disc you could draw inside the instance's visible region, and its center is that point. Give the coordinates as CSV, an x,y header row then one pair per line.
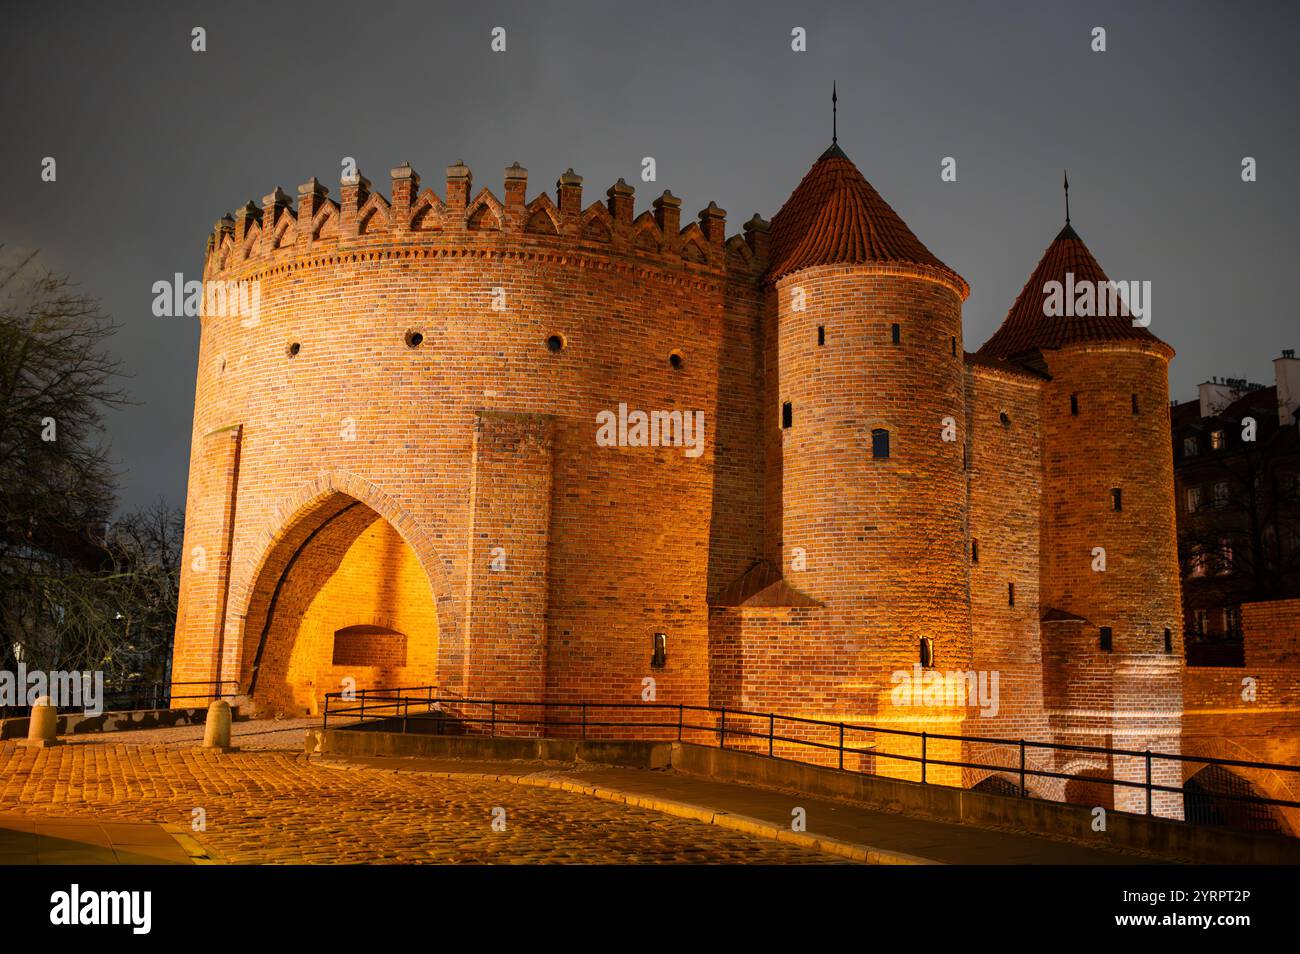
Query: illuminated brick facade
x,y
404,442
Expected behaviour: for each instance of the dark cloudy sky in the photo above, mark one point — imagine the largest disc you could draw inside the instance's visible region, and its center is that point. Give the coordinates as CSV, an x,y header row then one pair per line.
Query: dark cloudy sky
x,y
155,142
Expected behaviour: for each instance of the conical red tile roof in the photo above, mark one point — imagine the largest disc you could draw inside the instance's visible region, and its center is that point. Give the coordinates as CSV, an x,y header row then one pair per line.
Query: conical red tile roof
x,y
836,217
1026,328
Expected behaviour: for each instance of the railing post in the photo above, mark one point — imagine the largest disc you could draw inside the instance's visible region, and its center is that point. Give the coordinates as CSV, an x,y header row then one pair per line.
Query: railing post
x,y
681,715
722,729
1022,768
584,720
406,714
325,722
1148,754
924,752
841,746
493,724
363,705
771,727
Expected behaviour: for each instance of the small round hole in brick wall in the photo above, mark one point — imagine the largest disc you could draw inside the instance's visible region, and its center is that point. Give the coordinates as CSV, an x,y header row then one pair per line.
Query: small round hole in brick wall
x,y
555,344
294,349
414,339
1006,421
221,363
676,360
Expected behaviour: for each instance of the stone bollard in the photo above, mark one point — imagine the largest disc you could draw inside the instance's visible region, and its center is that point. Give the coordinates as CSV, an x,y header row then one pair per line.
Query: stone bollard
x,y
216,732
43,724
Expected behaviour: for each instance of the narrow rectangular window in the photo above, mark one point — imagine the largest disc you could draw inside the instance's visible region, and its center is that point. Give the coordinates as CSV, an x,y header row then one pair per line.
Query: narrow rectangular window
x,y
1169,640
1106,640
879,442
787,414
1074,404
1135,403
821,335
954,346
974,551
897,333
1116,499
1011,594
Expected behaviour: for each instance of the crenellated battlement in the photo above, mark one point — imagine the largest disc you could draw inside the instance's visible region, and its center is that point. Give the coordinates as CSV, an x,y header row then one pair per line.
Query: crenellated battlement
x,y
278,230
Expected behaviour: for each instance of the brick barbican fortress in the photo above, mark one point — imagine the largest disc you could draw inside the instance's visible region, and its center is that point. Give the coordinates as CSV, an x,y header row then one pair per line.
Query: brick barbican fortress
x,y
395,477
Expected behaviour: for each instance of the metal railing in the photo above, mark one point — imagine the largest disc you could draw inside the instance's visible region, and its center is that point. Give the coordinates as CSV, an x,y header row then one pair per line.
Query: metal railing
x,y
502,717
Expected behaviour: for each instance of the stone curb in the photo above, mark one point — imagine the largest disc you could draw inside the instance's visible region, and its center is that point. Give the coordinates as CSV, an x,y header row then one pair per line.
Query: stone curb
x,y
198,854
866,854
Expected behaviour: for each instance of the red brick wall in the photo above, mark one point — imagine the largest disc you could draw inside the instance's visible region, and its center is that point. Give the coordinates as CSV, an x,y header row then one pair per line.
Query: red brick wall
x,y
205,561
1004,479
1250,712
508,574
369,645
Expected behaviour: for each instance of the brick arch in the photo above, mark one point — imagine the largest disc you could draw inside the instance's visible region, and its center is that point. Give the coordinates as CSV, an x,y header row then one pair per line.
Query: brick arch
x,y
997,757
1268,783
292,523
1092,785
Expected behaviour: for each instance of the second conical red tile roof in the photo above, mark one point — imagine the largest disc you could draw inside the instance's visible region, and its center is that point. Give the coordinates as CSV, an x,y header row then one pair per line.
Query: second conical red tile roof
x,y
1027,328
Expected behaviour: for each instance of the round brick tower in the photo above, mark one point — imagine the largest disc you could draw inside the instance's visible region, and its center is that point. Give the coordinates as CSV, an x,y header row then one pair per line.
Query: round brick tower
x,y
1110,595
399,475
868,362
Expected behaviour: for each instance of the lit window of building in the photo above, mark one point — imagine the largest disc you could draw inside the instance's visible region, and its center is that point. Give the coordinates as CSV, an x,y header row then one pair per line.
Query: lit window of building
x,y
1193,496
1221,494
1201,621
1189,447
1225,556
1217,440
1231,620
1200,563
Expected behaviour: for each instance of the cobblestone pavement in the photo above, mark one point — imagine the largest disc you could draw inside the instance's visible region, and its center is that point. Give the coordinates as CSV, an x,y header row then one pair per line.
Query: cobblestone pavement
x,y
275,807
260,735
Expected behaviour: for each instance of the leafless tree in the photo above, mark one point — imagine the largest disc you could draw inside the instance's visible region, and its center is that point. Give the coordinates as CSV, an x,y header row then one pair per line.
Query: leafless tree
x,y
77,591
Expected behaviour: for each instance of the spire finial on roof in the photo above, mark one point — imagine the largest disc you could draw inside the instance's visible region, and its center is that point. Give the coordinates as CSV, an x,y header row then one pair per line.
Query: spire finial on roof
x,y
835,133
1067,196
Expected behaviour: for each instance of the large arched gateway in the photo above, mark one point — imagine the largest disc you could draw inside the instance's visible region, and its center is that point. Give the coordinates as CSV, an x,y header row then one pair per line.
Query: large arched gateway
x,y
340,600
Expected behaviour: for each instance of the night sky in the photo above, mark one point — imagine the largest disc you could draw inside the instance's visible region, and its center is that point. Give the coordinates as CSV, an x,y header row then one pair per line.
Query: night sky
x,y
155,142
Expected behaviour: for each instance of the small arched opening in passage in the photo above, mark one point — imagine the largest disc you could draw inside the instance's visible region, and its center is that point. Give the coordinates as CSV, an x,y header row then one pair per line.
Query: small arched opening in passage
x,y
1001,785
1210,797
1092,788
